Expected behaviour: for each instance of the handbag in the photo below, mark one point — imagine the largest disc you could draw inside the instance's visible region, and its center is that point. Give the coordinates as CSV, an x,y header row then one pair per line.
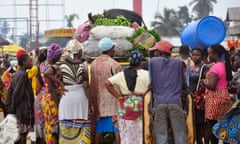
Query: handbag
x,y
199,93
228,126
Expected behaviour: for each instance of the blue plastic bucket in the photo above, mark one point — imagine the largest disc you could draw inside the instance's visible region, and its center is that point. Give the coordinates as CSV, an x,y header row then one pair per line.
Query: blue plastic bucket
x,y
207,31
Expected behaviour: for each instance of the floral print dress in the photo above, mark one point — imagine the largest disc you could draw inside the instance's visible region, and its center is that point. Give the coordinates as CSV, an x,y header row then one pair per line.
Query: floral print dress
x,y
49,114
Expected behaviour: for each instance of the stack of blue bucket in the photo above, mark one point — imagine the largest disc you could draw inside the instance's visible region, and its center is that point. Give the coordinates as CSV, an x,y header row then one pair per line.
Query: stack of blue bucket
x,y
203,33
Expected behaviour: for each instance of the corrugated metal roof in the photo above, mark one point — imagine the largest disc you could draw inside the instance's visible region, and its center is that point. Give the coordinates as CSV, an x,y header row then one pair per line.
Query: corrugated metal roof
x,y
235,30
233,14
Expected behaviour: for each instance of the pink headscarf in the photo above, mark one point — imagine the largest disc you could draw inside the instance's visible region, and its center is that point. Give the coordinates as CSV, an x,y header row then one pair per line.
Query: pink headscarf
x,y
53,51
83,32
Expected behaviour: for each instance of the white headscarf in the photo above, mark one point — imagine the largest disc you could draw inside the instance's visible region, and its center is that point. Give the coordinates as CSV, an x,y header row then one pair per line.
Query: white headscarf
x,y
72,47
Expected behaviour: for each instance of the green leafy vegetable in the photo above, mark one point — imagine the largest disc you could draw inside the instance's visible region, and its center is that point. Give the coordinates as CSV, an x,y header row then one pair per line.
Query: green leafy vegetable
x,y
119,20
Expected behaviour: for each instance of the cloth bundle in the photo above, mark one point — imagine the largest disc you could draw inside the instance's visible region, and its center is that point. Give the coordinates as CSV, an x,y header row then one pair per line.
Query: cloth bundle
x,y
117,33
9,130
228,127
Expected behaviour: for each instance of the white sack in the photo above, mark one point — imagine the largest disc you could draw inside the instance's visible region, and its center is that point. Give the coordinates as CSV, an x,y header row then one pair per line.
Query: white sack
x,y
91,48
113,32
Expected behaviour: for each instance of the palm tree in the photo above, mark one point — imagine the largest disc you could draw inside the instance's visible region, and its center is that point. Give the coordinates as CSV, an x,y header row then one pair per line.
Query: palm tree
x,y
70,19
168,24
183,15
202,7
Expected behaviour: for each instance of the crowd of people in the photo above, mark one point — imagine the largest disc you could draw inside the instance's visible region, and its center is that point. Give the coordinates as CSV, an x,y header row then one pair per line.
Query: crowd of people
x,y
64,100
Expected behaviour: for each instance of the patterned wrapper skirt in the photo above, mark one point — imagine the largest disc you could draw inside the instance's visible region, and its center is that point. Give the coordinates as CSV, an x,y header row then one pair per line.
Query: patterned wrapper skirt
x,y
73,133
217,103
131,131
130,120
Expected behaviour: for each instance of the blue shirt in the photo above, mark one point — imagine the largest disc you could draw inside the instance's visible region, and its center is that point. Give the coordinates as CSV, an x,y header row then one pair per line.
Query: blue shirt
x,y
167,75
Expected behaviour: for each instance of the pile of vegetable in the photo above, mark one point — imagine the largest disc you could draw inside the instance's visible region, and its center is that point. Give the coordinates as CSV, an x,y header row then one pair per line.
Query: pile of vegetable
x,y
144,39
119,29
100,19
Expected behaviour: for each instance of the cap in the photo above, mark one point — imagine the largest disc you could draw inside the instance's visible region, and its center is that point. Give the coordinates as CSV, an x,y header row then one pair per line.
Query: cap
x,y
20,52
163,45
106,44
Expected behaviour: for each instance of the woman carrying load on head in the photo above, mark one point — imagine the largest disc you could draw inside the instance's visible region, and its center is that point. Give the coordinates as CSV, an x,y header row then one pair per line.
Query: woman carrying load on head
x,y
53,91
74,107
133,82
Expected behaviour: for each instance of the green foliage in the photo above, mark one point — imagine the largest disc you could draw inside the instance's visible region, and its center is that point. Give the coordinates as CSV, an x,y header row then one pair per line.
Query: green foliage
x,y
70,18
139,31
98,16
202,8
171,22
142,50
155,34
119,20
139,47
136,33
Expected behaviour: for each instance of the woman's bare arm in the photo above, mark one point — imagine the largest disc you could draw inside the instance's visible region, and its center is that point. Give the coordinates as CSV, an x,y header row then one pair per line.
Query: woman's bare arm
x,y
211,81
111,89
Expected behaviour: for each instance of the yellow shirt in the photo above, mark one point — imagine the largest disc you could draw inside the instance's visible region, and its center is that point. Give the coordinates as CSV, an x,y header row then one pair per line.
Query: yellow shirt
x,y
32,74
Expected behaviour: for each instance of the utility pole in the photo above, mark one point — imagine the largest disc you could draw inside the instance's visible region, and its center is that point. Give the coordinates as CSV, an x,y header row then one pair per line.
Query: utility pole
x,y
137,6
34,24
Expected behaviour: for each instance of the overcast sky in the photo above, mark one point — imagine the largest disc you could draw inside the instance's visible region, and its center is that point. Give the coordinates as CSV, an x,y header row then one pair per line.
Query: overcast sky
x,y
83,7
150,7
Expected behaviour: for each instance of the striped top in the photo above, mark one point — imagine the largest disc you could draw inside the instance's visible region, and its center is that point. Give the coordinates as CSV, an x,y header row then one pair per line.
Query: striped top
x,y
74,72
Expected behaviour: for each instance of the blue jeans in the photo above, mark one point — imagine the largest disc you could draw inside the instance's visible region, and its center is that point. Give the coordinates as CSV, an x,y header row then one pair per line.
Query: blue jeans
x,y
176,116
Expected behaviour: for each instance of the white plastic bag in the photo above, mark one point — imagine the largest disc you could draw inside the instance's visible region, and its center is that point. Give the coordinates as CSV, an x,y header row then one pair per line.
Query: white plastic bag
x,y
113,32
90,48
9,130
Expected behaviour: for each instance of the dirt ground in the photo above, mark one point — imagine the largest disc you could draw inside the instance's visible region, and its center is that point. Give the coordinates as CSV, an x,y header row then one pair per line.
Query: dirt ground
x,y
1,116
29,142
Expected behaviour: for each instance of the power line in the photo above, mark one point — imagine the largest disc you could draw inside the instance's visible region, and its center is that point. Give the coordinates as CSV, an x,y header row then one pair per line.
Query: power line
x,y
28,4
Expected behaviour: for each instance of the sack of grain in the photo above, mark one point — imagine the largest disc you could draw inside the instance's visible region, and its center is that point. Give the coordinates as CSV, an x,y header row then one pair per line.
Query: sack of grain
x,y
113,32
90,48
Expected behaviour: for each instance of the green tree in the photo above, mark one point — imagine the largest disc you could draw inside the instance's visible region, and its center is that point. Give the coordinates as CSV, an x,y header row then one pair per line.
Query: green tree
x,y
70,18
167,23
183,15
202,8
171,22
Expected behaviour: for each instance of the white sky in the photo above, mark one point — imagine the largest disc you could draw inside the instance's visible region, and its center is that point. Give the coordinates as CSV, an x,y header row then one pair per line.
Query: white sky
x,y
83,7
149,7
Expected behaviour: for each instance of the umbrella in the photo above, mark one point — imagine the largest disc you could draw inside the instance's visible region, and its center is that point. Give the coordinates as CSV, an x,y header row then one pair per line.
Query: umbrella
x,y
3,41
13,48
